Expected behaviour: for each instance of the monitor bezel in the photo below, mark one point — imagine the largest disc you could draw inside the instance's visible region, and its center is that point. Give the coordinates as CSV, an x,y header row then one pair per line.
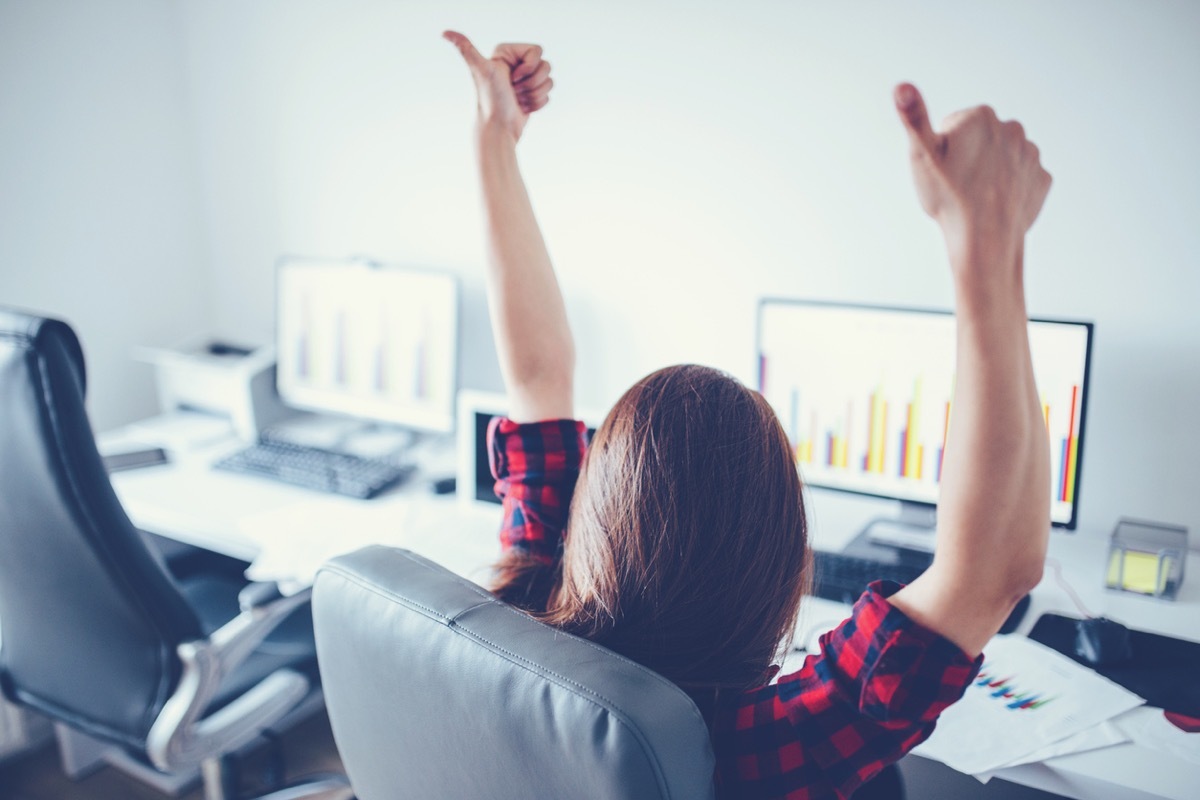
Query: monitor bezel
x,y
446,423
1085,389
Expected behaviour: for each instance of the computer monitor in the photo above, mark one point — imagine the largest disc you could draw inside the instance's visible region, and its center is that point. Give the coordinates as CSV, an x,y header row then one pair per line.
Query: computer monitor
x,y
476,409
371,341
866,395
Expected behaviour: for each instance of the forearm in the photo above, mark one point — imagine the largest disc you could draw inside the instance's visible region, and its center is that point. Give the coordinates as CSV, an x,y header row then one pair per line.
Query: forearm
x,y
529,320
994,510
994,513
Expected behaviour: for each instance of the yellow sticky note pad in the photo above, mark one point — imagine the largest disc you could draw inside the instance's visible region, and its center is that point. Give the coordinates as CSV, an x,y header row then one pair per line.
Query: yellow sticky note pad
x,y
1142,573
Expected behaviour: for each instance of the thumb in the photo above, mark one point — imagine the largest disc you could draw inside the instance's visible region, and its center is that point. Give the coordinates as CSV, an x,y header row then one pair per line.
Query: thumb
x,y
916,120
472,56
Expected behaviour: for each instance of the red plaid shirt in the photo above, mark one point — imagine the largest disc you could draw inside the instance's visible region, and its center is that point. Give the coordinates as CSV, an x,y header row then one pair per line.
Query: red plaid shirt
x,y
871,695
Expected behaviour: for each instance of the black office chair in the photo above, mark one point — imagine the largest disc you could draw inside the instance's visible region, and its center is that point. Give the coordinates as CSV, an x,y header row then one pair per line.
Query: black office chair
x,y
94,631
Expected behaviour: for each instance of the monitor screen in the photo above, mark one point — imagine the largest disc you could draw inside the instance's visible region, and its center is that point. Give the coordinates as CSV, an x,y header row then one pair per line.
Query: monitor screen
x,y
484,488
866,395
476,410
369,341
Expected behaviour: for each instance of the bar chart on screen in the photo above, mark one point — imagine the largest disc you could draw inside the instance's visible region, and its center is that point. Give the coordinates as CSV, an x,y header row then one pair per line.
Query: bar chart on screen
x,y
867,398
380,347
373,341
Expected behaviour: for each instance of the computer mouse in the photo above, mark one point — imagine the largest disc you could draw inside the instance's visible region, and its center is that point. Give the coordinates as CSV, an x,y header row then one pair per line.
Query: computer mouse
x,y
1101,642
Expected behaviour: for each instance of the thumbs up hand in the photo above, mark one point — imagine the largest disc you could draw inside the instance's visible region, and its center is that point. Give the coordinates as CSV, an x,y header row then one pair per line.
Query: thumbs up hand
x,y
980,178
512,84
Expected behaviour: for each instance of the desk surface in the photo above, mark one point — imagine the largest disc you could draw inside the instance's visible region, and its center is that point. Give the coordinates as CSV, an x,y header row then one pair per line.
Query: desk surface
x,y
187,501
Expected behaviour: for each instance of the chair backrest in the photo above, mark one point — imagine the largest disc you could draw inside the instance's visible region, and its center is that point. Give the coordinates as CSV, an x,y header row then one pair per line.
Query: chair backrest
x,y
438,690
89,617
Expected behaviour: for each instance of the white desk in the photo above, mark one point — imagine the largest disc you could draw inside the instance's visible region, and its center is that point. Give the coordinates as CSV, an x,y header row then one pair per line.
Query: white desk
x,y
1121,772
187,501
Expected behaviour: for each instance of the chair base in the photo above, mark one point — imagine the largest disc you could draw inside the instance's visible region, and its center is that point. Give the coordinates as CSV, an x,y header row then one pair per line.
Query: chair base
x,y
220,783
80,755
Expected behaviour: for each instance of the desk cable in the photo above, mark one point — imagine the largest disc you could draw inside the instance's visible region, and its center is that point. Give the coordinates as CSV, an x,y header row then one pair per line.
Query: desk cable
x,y
1055,565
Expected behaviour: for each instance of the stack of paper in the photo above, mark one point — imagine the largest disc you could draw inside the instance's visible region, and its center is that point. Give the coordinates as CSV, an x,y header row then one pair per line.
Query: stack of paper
x,y
1028,703
1150,728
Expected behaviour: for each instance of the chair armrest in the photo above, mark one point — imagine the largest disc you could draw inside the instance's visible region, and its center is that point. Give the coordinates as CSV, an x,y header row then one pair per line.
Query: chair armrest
x,y
179,737
258,594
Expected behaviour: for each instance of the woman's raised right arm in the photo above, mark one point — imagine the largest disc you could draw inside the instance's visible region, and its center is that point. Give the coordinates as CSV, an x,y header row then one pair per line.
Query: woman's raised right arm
x,y
982,180
529,319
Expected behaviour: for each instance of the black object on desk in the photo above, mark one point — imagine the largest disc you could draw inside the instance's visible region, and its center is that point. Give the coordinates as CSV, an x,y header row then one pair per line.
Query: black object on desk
x,y
842,577
1163,670
136,459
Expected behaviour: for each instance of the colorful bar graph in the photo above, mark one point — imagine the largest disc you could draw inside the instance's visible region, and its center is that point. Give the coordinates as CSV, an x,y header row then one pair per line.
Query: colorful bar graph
x,y
900,380
876,429
913,449
942,449
1070,452
1003,689
860,445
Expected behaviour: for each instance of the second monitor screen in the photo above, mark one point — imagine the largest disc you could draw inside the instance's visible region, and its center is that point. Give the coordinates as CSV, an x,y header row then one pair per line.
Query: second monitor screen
x,y
373,342
867,394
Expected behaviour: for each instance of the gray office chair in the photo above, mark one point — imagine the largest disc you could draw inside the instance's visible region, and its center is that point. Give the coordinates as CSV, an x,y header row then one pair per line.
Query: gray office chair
x,y
94,631
437,690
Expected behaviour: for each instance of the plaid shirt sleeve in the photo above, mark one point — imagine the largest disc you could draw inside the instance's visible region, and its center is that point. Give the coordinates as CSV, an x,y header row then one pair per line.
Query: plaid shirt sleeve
x,y
873,694
535,466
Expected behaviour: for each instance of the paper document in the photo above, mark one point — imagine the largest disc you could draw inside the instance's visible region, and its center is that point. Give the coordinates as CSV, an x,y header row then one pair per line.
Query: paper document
x,y
1149,728
1106,734
1025,698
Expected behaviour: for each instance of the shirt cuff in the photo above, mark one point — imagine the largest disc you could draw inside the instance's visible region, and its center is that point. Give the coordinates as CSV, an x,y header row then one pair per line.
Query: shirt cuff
x,y
903,671
549,451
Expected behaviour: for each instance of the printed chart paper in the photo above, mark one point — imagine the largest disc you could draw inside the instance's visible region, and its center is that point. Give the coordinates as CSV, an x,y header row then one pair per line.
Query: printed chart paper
x,y
1025,698
1149,728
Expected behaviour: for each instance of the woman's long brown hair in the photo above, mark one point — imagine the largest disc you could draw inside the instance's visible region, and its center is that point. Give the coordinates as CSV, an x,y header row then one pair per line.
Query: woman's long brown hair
x,y
686,546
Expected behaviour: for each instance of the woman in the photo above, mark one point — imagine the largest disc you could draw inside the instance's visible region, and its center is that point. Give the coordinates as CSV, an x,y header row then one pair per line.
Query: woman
x,y
685,546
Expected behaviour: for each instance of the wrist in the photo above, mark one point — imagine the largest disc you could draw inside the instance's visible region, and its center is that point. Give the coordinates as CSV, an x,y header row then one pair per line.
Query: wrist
x,y
492,133
992,267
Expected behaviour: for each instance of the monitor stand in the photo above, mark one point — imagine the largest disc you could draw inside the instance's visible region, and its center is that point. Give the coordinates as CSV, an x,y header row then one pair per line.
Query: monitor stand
x,y
905,539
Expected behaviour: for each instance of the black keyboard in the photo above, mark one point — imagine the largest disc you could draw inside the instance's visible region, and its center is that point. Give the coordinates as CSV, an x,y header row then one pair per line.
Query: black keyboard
x,y
314,468
843,577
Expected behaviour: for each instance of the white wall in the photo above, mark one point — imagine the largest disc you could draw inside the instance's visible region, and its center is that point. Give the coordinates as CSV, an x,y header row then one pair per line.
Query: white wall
x,y
694,156
99,208
697,155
